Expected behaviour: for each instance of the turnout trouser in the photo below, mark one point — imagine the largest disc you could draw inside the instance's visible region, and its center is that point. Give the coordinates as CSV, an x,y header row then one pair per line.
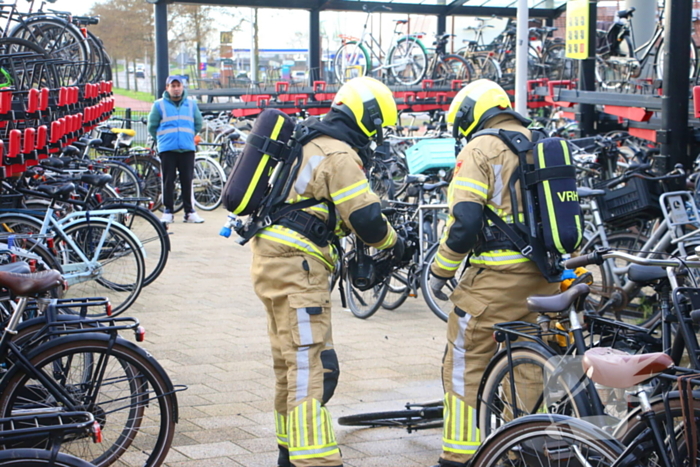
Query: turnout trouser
x,y
296,295
183,163
493,297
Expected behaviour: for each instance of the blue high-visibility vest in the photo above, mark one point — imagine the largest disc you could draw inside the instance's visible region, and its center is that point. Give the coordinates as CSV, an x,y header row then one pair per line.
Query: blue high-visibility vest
x,y
176,130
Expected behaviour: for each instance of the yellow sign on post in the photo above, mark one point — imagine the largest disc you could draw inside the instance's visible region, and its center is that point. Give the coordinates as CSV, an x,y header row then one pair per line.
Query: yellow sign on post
x,y
577,29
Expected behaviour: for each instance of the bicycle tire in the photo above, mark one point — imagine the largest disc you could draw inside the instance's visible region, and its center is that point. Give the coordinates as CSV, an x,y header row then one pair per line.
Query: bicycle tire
x,y
60,40
632,425
441,308
556,65
603,284
359,61
149,171
152,234
450,68
41,74
401,58
25,457
208,183
659,59
527,439
494,393
397,290
133,377
429,417
120,246
125,180
362,304
484,66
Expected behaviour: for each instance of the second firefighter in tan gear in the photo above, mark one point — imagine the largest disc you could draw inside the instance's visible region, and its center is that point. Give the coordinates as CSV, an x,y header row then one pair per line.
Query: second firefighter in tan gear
x,y
499,279
291,276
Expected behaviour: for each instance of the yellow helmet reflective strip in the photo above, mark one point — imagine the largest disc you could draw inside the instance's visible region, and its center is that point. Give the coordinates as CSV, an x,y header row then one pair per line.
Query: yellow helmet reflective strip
x,y
447,264
469,184
311,433
496,258
550,201
460,433
281,429
259,169
285,236
350,192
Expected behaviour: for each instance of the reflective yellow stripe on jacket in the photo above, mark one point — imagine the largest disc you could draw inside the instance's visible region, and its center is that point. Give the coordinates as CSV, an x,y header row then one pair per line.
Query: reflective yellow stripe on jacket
x,y
498,257
289,237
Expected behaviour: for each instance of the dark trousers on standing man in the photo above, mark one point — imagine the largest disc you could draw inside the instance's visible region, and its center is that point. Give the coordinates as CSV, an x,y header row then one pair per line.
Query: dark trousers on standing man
x,y
183,162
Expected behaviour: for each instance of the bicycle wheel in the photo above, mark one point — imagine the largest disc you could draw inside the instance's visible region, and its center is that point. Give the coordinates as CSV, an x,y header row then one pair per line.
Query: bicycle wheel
x,y
61,40
126,391
148,170
548,440
117,270
408,61
39,458
441,308
536,389
351,61
659,59
125,180
152,234
633,425
642,307
450,68
26,65
557,66
397,290
362,304
485,67
208,183
428,417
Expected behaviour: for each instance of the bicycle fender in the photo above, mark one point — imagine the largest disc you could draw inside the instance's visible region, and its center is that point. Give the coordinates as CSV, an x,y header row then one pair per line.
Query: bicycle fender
x,y
102,337
637,411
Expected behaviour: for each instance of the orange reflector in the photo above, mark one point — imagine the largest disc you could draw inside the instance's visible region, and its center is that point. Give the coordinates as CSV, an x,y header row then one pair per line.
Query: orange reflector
x,y
108,309
84,31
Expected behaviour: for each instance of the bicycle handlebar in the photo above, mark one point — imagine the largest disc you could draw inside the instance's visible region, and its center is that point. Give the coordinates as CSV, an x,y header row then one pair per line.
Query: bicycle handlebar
x,y
599,256
636,174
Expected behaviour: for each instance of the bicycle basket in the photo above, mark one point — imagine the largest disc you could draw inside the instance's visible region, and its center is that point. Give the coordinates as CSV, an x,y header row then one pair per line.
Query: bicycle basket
x,y
626,204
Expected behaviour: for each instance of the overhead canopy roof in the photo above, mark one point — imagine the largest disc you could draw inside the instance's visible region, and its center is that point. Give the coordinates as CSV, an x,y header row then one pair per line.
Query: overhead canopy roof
x,y
538,8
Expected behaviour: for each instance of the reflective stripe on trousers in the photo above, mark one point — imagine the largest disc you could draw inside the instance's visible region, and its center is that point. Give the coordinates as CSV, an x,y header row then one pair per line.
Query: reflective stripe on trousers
x,y
460,432
311,432
281,429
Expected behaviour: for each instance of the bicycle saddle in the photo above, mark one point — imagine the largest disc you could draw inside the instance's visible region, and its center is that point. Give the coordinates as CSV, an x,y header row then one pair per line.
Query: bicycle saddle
x,y
53,162
98,180
585,192
18,267
617,369
556,303
70,151
646,274
626,13
124,131
57,191
28,285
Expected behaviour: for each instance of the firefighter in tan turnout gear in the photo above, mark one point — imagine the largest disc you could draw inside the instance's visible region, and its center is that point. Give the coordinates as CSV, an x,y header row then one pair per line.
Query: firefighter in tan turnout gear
x,y
499,279
292,266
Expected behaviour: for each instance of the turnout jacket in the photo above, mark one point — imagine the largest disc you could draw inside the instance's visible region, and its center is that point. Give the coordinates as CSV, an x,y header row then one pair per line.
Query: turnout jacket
x,y
331,172
482,175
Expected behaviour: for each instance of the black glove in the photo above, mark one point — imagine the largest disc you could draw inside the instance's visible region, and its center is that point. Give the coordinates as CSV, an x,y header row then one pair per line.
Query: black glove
x,y
398,250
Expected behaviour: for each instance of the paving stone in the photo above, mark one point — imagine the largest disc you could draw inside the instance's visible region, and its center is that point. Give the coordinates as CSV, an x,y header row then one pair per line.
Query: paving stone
x,y
207,451
207,328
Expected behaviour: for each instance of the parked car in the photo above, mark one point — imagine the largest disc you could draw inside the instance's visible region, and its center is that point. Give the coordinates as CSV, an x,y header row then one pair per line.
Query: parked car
x,y
130,69
140,71
298,75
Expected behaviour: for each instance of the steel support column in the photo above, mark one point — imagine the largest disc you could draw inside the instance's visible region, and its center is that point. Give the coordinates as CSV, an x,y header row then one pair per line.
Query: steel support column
x,y
674,105
315,70
441,24
161,39
586,112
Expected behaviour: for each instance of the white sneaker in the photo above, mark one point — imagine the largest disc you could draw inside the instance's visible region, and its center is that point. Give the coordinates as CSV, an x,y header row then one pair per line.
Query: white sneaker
x,y
167,218
193,218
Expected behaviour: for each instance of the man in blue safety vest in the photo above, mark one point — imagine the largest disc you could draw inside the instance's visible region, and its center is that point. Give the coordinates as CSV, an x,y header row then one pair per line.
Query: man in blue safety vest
x,y
174,121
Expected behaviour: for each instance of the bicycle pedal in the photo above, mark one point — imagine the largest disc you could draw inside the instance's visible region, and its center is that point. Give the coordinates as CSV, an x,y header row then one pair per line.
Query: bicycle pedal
x,y
413,295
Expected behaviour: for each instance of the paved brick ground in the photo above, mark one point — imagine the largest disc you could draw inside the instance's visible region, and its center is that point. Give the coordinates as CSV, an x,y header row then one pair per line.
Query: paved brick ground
x,y
207,327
